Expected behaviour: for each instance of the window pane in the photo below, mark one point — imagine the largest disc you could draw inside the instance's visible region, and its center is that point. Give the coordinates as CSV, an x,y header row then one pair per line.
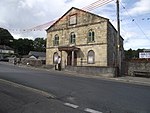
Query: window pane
x,y
91,57
91,36
56,40
55,58
72,38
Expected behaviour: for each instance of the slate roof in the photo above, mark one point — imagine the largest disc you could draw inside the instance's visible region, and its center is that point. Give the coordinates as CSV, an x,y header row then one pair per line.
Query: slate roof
x,y
37,54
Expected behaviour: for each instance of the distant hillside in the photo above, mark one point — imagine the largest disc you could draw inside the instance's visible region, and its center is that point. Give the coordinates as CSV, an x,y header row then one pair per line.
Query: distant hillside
x,y
5,37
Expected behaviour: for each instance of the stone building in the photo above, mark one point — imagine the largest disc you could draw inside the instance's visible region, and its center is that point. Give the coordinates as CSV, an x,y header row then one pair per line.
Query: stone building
x,y
82,38
5,51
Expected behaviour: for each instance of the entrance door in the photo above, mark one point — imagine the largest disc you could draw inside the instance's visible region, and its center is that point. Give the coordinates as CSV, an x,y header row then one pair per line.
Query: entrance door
x,y
69,58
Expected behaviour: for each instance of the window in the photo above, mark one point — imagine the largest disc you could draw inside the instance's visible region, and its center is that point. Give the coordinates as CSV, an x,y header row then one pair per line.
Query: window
x,y
55,58
72,38
91,36
56,40
91,57
73,19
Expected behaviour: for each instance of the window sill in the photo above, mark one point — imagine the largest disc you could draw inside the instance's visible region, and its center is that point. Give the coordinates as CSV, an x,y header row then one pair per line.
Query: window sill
x,y
55,45
72,44
91,42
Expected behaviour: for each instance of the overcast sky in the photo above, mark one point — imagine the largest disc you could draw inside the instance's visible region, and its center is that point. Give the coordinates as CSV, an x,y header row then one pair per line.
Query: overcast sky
x,y
20,15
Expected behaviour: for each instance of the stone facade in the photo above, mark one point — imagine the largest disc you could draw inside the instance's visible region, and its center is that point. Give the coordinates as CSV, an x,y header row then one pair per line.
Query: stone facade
x,y
75,49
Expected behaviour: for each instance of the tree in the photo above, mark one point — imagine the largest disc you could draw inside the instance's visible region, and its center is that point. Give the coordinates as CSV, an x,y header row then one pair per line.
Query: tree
x,y
5,37
39,45
130,54
23,46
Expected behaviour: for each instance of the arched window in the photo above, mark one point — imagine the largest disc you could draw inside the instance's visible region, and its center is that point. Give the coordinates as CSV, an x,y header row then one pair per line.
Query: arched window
x,y
55,58
91,36
91,57
72,38
56,40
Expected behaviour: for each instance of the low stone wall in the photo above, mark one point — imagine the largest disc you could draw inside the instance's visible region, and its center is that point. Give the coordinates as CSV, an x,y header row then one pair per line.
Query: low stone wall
x,y
12,60
48,66
138,66
99,71
32,62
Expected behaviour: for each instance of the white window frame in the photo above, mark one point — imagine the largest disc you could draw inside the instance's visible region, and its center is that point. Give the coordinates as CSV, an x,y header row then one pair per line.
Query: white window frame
x,y
55,58
91,57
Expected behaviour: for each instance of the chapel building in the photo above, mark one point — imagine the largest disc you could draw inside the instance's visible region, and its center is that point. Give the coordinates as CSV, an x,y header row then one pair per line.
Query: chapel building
x,y
82,38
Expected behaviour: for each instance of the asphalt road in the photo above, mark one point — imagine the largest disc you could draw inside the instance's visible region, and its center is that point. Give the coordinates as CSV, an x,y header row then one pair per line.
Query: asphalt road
x,y
18,99
87,94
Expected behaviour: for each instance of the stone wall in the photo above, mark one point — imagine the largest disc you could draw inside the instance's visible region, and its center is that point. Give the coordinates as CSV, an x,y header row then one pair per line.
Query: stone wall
x,y
104,44
99,46
82,18
138,66
98,71
81,33
100,55
85,22
112,46
31,62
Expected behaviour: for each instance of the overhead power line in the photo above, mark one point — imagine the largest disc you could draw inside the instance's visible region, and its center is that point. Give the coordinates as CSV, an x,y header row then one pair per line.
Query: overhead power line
x,y
41,27
136,22
90,7
96,4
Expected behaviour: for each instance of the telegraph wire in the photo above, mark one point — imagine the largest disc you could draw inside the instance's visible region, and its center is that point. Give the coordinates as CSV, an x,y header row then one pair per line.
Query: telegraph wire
x,y
136,22
42,27
91,4
88,8
96,4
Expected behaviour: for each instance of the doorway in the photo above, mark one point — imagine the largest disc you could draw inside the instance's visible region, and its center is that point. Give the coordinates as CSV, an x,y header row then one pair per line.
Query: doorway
x,y
69,58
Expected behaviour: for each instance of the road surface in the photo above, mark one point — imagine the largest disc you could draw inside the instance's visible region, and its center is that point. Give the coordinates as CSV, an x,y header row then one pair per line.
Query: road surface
x,y
15,98
86,94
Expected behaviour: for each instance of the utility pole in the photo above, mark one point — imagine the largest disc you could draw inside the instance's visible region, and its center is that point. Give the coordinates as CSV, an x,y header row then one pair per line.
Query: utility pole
x,y
118,39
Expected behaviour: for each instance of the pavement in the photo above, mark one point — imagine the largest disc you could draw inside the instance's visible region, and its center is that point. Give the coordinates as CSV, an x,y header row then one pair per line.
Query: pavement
x,y
133,80
125,79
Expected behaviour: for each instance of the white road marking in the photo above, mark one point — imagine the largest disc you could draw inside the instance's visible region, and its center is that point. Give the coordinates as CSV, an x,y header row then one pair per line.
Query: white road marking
x,y
47,95
43,93
71,105
91,110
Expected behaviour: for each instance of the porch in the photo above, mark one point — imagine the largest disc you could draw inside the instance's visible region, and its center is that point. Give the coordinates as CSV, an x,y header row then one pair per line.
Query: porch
x,y
71,54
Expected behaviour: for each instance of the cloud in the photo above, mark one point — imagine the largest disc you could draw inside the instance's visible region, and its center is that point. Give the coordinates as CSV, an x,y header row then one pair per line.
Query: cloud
x,y
29,35
140,7
136,44
134,38
67,1
25,14
40,14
